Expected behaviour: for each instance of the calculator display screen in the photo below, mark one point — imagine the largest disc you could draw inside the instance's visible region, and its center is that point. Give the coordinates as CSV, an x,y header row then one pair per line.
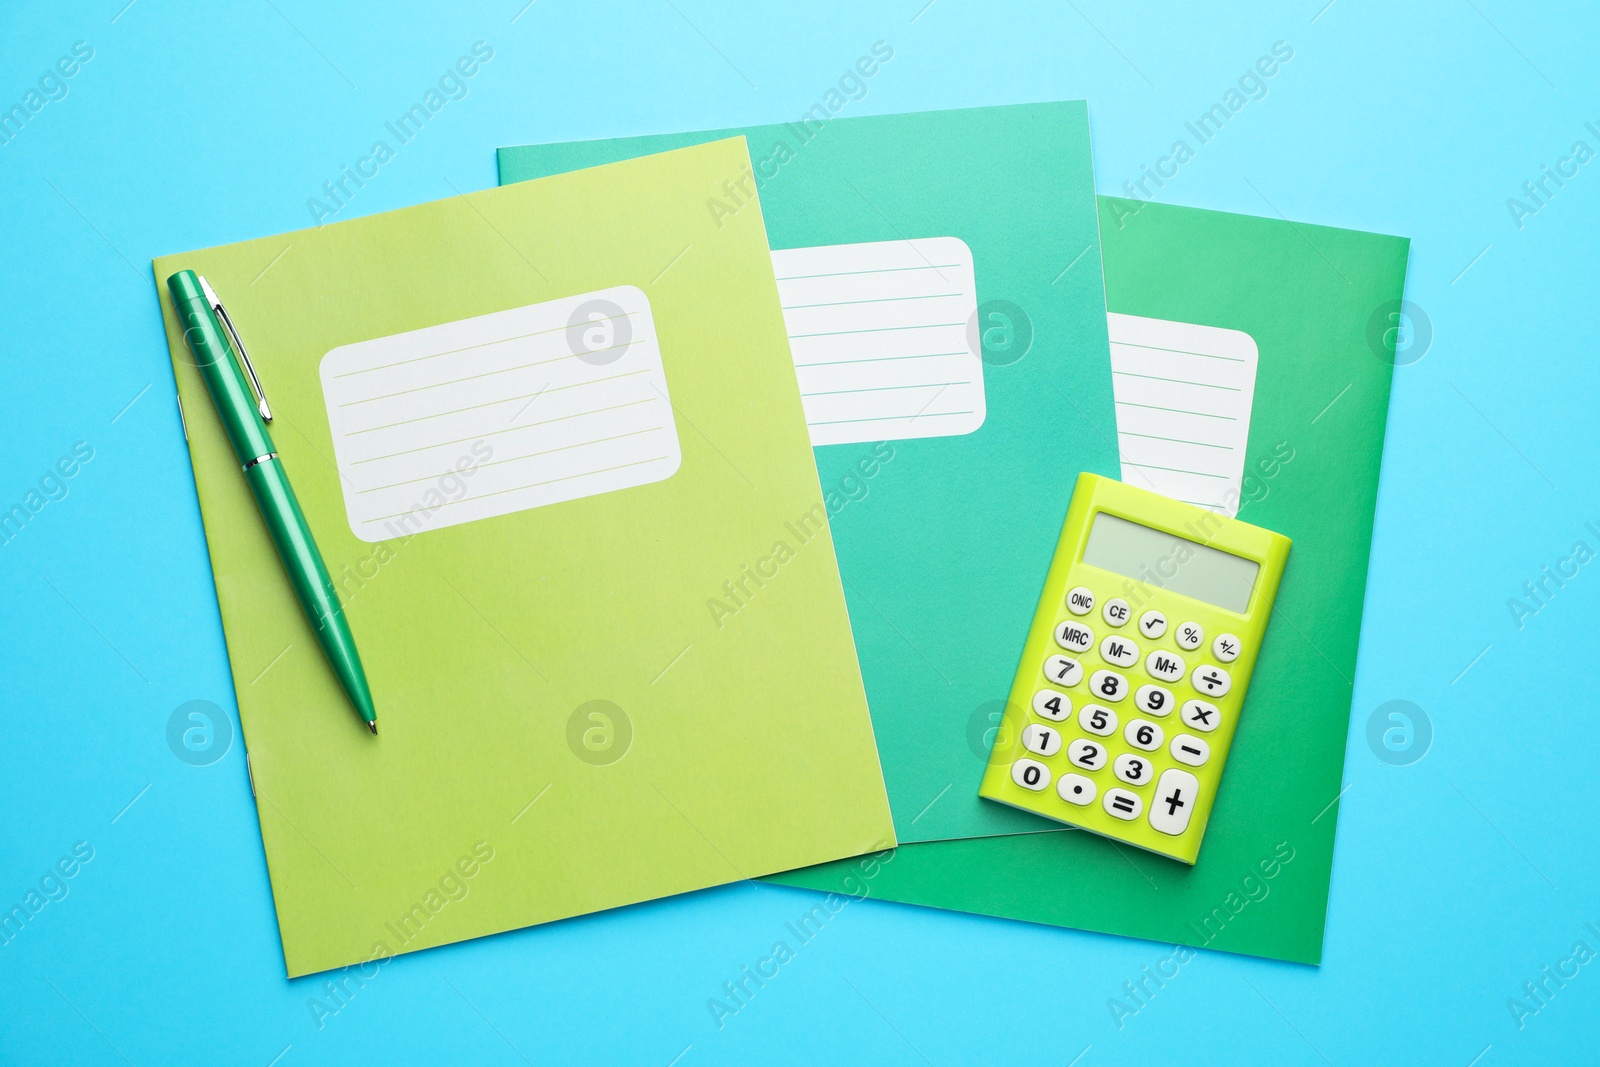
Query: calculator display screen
x,y
1171,562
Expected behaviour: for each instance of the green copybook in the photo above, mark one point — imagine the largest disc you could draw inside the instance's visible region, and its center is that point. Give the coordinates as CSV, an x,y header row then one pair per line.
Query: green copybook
x,y
1319,305
535,430
946,310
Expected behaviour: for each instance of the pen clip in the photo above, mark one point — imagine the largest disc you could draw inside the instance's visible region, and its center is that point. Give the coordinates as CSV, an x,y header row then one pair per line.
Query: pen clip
x,y
222,313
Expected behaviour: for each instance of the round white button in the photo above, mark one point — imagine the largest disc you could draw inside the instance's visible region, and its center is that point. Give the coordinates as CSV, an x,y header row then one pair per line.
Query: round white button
x,y
1040,739
1153,699
1210,680
1090,755
1122,803
1152,624
1168,666
1080,601
1140,733
1076,789
1199,715
1116,611
1074,636
1049,704
1135,770
1108,685
1119,651
1189,635
1097,720
1225,647
1063,671
1187,748
1030,774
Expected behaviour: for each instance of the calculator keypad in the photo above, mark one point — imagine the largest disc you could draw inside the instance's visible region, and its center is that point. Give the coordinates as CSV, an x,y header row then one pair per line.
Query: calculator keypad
x,y
1133,766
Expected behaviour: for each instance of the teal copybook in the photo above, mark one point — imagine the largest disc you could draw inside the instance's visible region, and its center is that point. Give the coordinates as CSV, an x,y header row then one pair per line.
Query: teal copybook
x,y
941,284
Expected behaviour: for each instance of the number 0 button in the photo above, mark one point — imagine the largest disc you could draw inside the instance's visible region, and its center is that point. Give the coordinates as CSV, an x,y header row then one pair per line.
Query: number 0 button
x,y
1030,774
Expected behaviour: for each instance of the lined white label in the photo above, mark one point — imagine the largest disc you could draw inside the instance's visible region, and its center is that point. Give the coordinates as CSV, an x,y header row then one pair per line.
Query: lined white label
x,y
880,336
499,413
1183,394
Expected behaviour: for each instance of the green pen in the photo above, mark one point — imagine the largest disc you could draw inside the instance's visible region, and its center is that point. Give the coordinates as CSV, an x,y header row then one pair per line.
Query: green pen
x,y
244,416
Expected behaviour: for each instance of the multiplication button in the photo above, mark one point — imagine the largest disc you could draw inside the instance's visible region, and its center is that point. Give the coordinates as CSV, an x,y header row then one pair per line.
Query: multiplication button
x,y
1199,715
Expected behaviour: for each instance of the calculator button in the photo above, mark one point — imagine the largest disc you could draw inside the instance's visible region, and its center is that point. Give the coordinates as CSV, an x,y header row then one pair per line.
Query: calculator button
x,y
1225,647
1152,624
1108,685
1063,671
1030,774
1041,739
1213,681
1168,666
1049,704
1154,699
1174,801
1076,789
1119,651
1135,770
1080,601
1090,755
1189,636
1116,611
1187,748
1123,804
1074,636
1140,733
1200,715
1097,720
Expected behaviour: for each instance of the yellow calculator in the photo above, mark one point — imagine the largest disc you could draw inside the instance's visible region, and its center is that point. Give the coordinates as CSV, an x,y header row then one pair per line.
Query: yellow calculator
x,y
1135,669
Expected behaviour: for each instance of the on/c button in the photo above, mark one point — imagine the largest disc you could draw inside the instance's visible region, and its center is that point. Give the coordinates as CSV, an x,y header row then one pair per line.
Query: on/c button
x,y
1176,794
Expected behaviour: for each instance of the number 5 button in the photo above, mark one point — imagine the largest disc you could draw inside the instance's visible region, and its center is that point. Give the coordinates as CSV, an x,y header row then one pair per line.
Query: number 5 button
x,y
1212,681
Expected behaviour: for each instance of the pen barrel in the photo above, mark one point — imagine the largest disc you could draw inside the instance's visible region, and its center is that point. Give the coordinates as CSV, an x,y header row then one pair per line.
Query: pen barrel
x,y
213,355
309,576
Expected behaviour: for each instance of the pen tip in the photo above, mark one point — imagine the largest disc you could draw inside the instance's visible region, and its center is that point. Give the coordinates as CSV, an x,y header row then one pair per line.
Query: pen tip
x,y
373,726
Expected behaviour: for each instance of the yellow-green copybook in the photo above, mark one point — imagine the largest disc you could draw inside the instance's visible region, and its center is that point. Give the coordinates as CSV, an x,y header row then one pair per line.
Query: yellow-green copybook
x,y
539,432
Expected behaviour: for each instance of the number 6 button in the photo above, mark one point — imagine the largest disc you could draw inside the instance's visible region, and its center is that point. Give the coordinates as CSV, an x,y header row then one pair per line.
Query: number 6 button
x,y
1141,733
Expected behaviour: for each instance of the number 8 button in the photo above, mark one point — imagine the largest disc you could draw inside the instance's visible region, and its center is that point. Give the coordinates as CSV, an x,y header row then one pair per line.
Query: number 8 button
x,y
1108,685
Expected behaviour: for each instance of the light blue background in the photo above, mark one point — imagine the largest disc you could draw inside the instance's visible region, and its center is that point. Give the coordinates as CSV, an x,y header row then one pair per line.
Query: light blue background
x,y
1457,878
